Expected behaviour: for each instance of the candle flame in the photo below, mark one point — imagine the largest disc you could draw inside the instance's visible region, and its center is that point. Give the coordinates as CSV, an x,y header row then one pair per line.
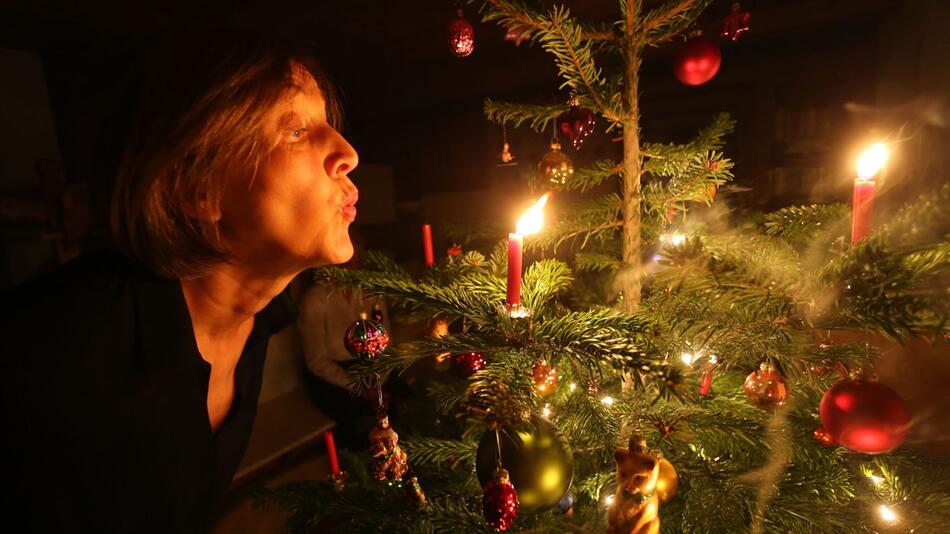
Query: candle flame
x,y
871,161
531,221
887,514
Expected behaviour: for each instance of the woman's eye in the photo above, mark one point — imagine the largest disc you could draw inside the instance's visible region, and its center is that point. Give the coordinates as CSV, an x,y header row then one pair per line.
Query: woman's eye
x,y
297,132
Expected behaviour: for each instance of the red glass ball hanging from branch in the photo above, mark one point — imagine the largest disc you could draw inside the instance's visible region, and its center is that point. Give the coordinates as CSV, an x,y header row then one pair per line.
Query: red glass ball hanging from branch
x,y
697,61
766,388
576,123
468,363
461,36
864,416
500,501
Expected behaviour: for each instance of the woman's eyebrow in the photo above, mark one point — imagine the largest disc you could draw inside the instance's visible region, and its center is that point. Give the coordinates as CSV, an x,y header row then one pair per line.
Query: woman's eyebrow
x,y
287,119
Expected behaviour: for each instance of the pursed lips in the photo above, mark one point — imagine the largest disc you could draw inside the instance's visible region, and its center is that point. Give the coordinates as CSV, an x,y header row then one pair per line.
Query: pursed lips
x,y
348,209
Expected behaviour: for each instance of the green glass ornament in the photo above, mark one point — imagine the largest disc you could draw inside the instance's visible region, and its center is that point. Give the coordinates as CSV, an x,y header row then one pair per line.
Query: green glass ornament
x,y
538,459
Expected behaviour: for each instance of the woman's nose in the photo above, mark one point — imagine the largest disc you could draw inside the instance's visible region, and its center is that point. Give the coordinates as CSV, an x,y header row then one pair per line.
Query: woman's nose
x,y
343,159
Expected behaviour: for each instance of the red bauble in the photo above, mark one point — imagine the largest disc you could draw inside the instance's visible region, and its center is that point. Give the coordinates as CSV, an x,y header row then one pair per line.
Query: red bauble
x,y
576,123
545,378
468,363
766,388
500,501
461,36
864,416
697,61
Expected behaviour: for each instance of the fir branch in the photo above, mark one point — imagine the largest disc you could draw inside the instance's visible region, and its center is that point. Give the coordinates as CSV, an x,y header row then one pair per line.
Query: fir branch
x,y
543,280
512,13
801,223
429,450
587,178
664,22
597,335
539,117
592,261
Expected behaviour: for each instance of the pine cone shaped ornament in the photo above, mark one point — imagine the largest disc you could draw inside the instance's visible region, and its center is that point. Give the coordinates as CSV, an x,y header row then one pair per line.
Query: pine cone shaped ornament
x,y
500,501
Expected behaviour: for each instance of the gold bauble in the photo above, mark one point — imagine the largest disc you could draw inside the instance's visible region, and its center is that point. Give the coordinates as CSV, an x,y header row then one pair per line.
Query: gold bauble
x,y
668,482
555,166
537,457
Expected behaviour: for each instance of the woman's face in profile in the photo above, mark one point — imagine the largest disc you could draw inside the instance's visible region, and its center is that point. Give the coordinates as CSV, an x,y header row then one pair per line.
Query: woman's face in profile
x,y
300,205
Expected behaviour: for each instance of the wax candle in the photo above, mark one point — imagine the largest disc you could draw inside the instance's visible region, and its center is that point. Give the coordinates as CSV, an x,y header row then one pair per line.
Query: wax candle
x,y
515,251
331,453
706,382
862,206
427,244
529,223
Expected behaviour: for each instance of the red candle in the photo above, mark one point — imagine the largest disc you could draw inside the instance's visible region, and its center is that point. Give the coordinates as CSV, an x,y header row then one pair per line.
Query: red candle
x,y
515,249
706,382
427,244
331,453
862,209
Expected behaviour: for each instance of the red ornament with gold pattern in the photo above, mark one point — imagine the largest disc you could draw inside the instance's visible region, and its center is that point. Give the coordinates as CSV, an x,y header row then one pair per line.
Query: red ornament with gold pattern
x,y
576,123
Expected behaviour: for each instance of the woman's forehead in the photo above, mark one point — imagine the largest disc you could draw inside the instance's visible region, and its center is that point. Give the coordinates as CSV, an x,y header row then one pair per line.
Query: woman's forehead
x,y
303,98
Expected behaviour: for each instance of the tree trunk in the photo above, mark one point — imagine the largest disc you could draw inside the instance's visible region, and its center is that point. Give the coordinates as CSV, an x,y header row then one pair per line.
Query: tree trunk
x,y
630,273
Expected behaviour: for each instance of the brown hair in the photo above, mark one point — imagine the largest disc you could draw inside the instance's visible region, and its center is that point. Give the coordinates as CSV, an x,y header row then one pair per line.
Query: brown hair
x,y
197,123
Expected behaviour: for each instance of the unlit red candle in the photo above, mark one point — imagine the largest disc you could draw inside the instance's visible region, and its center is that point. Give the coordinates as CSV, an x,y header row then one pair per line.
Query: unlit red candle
x,y
331,453
427,244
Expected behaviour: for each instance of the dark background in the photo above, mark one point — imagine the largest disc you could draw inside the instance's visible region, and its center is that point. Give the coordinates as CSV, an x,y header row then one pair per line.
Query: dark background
x,y
414,111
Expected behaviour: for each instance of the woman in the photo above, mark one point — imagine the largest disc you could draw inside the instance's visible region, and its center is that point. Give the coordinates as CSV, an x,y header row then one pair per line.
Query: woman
x,y
131,378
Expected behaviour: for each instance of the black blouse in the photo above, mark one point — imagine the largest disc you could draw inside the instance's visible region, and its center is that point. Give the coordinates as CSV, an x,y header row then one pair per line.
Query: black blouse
x,y
104,402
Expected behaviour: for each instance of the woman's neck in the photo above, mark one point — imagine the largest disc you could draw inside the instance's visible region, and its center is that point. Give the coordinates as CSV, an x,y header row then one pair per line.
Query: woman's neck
x,y
224,299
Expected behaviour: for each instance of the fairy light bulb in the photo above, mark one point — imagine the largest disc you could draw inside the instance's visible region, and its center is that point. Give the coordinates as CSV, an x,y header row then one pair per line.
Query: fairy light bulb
x,y
607,401
688,358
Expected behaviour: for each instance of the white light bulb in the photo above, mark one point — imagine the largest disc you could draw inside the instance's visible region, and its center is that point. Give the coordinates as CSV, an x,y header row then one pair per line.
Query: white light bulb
x,y
688,358
546,411
607,401
609,500
677,239
876,479
573,386
713,359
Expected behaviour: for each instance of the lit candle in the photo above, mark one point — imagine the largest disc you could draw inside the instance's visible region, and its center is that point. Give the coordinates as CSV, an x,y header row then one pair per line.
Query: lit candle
x,y
427,244
862,207
331,453
529,223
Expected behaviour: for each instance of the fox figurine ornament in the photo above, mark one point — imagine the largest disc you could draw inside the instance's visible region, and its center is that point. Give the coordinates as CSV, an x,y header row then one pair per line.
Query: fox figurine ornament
x,y
635,506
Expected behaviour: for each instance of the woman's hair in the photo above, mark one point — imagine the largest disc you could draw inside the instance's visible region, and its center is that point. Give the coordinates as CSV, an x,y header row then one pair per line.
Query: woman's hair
x,y
197,123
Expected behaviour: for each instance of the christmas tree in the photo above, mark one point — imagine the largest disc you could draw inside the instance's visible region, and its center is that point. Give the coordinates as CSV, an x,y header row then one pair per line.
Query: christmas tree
x,y
655,359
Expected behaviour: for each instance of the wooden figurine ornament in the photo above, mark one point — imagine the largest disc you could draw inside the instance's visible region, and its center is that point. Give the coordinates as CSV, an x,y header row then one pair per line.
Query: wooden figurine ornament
x,y
635,506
